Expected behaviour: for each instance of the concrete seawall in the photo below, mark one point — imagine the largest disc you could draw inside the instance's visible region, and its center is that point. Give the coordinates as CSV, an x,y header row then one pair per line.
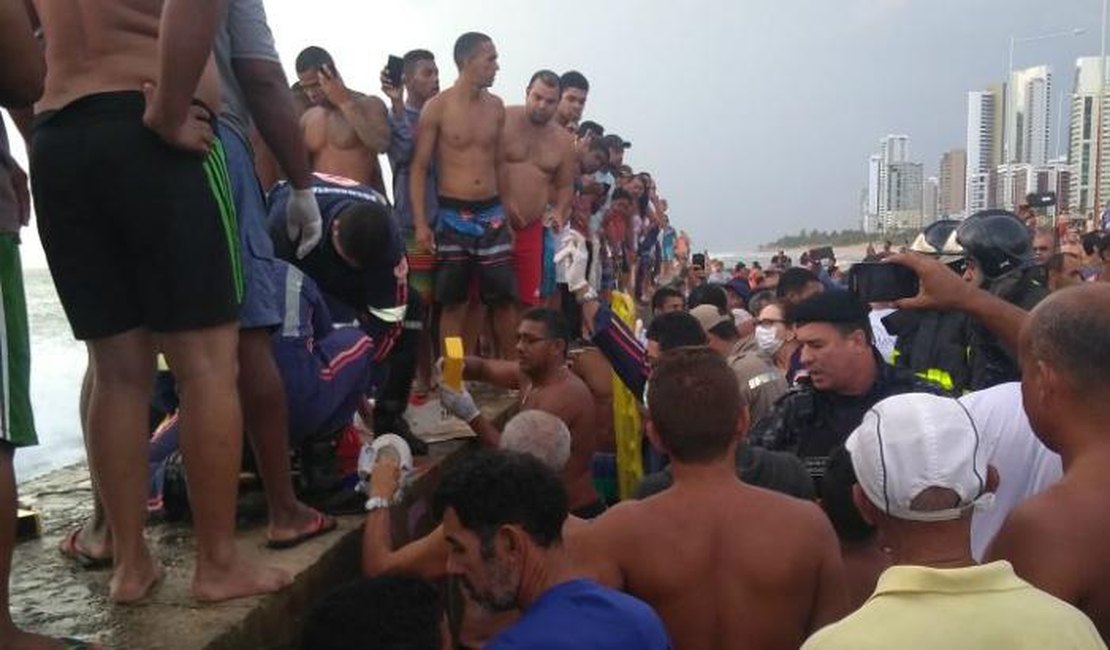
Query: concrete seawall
x,y
51,594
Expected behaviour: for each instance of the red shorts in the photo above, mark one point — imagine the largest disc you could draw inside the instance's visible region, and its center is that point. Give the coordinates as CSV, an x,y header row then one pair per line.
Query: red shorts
x,y
528,262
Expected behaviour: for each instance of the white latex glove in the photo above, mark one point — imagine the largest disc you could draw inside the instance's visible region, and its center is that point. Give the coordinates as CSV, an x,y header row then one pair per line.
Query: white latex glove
x,y
302,221
458,403
575,258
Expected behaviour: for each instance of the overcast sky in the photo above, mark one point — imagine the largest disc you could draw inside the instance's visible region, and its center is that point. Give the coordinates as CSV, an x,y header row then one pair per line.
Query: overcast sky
x,y
755,116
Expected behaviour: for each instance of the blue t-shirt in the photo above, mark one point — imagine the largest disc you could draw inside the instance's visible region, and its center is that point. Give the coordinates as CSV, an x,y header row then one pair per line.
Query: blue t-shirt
x,y
584,615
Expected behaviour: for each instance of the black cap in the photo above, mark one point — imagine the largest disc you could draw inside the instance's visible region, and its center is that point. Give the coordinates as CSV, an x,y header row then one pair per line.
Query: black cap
x,y
614,141
588,127
835,306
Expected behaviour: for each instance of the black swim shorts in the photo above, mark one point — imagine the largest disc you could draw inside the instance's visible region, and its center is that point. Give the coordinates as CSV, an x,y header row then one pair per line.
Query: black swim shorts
x,y
136,233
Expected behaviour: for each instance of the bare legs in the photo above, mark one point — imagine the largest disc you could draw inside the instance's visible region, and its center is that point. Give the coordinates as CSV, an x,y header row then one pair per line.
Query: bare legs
x,y
267,421
204,364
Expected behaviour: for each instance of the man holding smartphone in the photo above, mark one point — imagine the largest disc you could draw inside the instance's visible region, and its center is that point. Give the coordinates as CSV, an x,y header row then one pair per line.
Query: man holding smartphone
x,y
408,88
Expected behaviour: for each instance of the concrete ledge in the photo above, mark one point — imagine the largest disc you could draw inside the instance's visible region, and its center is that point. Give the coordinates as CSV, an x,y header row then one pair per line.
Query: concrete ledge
x,y
52,595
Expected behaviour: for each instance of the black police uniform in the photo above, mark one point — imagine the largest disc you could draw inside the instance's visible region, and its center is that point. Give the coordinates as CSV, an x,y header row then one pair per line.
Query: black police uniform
x,y
811,423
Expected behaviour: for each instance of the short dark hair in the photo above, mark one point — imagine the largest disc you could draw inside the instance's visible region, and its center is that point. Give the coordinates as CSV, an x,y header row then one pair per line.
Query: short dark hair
x,y
589,125
725,330
662,294
391,612
548,78
553,321
494,487
676,330
313,58
793,280
759,300
836,498
708,294
412,57
467,45
694,403
574,79
1070,330
364,232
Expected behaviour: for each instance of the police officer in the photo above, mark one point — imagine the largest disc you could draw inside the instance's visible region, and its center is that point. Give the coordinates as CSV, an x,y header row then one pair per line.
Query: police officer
x,y
847,376
933,344
1000,260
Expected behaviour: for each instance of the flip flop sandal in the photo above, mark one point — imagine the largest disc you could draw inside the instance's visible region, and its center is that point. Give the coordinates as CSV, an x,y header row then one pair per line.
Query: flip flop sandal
x,y
321,525
68,547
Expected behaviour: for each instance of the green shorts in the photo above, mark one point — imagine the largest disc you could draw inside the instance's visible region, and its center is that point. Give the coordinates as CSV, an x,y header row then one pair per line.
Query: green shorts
x,y
17,425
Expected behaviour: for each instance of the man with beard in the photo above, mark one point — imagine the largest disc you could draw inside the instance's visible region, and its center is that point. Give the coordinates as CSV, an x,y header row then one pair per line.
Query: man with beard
x,y
573,102
546,384
503,516
459,132
536,161
343,130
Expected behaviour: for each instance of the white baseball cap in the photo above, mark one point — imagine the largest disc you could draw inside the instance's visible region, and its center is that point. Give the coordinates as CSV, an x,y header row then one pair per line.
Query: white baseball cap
x,y
915,441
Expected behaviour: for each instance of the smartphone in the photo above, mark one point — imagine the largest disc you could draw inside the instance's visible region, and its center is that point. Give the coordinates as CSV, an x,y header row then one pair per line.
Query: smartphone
x,y
394,70
698,260
881,282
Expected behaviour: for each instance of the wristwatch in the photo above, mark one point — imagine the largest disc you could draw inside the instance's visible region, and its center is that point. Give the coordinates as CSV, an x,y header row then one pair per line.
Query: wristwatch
x,y
376,503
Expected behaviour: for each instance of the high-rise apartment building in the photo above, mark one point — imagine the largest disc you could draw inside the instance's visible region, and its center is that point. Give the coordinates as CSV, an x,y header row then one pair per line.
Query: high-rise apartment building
x,y
1090,124
930,200
1029,116
984,145
953,183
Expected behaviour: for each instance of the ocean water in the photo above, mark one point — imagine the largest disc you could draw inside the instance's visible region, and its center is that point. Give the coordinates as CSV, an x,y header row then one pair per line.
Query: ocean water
x,y
57,367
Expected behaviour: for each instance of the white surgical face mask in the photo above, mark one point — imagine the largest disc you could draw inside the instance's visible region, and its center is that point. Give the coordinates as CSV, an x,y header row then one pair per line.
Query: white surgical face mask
x,y
767,339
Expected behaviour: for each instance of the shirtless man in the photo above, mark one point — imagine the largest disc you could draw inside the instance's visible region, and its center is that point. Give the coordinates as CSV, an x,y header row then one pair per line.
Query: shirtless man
x,y
344,130
573,101
530,432
546,384
1055,540
125,263
727,565
459,131
537,165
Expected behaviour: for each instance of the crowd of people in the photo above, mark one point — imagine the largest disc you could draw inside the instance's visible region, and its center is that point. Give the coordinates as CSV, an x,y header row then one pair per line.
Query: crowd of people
x,y
818,472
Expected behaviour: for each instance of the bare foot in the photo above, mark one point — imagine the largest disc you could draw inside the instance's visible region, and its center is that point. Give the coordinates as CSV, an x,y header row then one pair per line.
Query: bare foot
x,y
131,585
241,579
20,640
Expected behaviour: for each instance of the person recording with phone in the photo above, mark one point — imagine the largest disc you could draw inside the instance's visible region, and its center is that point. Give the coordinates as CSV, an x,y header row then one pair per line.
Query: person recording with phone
x,y
409,82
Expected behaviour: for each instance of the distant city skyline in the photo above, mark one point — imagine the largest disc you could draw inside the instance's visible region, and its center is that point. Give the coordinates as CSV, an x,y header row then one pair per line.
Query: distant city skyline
x,y
1009,129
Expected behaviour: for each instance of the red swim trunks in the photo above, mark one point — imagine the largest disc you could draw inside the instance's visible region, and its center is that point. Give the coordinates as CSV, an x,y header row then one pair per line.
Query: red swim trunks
x,y
528,261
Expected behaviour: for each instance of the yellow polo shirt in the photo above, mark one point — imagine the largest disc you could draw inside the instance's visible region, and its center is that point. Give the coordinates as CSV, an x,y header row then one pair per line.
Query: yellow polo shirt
x,y
980,607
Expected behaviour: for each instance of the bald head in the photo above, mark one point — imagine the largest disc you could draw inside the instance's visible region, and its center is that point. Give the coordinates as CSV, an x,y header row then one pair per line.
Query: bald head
x,y
538,434
1070,331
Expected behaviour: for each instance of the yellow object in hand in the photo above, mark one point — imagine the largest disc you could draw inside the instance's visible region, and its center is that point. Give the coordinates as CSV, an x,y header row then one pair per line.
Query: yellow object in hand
x,y
453,362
